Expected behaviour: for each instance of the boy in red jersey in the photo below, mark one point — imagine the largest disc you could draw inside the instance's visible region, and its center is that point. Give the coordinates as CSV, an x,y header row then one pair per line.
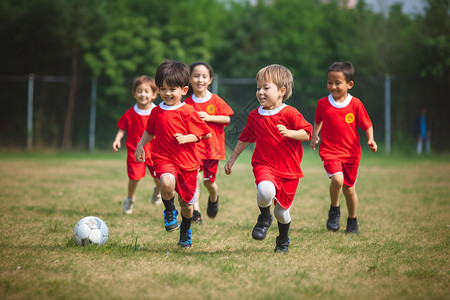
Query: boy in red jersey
x,y
278,130
176,128
216,113
338,117
132,124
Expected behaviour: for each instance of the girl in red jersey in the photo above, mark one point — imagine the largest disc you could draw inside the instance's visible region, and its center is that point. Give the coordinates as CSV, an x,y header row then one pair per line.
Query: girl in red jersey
x,y
216,113
278,130
338,117
176,128
132,124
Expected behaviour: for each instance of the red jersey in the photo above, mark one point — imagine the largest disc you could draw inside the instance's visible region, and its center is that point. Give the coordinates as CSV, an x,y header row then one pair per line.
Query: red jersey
x,y
339,133
134,121
282,154
214,147
164,122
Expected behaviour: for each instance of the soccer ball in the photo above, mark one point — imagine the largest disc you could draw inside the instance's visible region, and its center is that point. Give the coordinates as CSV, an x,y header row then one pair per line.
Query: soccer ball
x,y
90,230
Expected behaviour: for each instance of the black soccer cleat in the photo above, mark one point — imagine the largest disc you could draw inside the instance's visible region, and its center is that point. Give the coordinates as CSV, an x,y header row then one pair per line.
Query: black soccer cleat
x,y
333,218
282,245
262,226
213,208
352,226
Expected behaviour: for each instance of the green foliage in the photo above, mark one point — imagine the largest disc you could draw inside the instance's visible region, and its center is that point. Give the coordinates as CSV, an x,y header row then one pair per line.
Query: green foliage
x,y
116,41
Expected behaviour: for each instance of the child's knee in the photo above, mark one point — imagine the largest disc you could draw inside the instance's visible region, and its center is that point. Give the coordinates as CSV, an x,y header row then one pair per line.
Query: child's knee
x,y
281,214
167,179
266,192
338,179
348,190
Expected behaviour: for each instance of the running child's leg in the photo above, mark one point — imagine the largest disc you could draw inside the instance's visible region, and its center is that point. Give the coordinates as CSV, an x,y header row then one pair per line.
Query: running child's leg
x,y
168,194
132,186
284,221
156,197
352,205
129,201
351,199
265,193
210,172
334,214
185,227
197,216
350,176
213,199
337,181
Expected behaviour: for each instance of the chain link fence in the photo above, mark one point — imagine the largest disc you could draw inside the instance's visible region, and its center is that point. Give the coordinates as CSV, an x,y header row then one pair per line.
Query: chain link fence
x,y
50,100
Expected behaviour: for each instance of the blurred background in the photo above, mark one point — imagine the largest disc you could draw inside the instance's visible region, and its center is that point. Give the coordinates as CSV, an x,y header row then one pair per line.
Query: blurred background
x,y
67,65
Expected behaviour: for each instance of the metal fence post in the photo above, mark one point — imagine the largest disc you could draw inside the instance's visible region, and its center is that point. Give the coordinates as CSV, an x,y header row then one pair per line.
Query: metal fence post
x,y
387,112
215,84
30,112
92,115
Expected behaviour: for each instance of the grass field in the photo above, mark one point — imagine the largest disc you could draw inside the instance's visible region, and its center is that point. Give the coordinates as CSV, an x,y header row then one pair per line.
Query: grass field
x,y
402,251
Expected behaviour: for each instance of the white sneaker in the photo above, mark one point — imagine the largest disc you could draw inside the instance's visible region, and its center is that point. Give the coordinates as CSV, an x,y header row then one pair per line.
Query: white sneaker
x,y
156,198
128,206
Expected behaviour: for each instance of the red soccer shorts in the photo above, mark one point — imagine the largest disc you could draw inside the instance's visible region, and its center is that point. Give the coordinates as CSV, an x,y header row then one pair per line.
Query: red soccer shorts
x,y
185,181
285,187
209,168
349,170
136,170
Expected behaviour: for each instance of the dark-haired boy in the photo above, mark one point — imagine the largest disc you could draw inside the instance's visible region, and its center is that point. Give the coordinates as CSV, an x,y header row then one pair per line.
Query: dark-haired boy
x,y
177,127
338,117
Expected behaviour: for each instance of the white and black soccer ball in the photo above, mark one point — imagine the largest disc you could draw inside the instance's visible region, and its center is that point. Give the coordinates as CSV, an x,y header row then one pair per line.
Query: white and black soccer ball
x,y
90,230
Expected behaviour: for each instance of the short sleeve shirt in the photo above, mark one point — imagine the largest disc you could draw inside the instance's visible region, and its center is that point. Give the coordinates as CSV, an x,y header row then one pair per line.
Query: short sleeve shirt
x,y
214,147
164,122
282,154
134,121
339,132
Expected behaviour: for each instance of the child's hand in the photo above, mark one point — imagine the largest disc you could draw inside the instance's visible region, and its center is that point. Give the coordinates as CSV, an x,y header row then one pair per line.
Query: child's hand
x,y
283,130
373,146
182,139
228,166
139,154
203,115
116,146
314,141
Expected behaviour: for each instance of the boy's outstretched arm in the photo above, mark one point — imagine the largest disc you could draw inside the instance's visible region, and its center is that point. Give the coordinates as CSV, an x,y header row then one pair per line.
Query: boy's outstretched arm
x,y
299,135
214,118
315,137
116,144
189,138
140,152
370,141
240,146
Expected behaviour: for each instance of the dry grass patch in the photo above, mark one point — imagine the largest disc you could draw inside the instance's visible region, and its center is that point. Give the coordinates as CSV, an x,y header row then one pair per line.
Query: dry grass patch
x,y
401,252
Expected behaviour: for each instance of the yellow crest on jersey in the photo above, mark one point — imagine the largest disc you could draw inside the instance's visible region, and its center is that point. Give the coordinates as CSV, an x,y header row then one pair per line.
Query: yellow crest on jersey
x,y
350,118
211,109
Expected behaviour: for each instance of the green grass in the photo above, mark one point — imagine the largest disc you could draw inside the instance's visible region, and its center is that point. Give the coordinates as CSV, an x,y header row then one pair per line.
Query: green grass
x,y
402,251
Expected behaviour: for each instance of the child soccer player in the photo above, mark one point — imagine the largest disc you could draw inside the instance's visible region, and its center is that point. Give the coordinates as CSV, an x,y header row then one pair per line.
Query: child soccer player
x,y
338,117
176,128
132,124
216,113
278,130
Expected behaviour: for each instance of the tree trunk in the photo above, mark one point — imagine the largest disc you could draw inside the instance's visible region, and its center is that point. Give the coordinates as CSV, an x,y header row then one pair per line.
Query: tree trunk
x,y
67,137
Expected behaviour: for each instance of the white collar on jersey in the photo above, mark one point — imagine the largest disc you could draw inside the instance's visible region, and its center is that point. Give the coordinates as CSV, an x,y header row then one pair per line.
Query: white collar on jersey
x,y
144,112
340,104
170,107
270,112
202,100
